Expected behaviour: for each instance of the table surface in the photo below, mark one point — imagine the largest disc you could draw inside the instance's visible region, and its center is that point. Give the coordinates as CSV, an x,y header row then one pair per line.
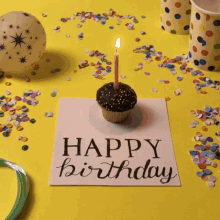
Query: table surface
x,y
193,200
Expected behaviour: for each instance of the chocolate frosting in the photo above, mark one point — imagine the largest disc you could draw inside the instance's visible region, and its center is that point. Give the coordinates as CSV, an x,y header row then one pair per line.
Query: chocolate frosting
x,y
117,100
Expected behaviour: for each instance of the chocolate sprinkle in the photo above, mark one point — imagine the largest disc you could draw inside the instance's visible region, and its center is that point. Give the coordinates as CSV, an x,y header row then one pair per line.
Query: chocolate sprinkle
x,y
117,100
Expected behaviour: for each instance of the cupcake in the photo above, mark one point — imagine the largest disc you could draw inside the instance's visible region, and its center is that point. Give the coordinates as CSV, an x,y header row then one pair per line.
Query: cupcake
x,y
116,103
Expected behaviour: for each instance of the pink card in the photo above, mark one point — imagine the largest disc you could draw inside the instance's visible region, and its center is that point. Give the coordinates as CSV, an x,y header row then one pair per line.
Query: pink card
x,y
89,150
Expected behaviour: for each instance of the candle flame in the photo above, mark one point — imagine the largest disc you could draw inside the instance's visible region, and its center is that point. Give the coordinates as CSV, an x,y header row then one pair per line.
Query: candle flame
x,y
118,43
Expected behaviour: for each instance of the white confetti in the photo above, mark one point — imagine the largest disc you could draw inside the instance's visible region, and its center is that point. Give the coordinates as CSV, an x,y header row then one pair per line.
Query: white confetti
x,y
7,93
68,79
210,184
192,125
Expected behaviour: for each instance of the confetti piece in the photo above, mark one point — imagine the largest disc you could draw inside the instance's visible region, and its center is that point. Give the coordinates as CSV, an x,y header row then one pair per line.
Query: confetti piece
x,y
167,98
7,93
25,147
49,114
8,83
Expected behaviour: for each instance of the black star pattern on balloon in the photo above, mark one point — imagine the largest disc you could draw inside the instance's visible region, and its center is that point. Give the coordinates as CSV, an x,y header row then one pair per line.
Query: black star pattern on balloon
x,y
18,53
30,37
25,14
17,27
18,40
10,26
36,38
5,37
29,47
4,32
30,53
2,47
6,52
9,57
27,31
23,59
38,22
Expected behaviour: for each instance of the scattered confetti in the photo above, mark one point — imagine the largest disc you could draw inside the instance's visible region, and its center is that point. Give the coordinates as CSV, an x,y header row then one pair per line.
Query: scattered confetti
x,y
123,76
49,114
137,39
32,121
154,90
7,93
80,36
25,147
203,155
111,27
53,94
8,83
68,79
178,92
179,78
208,116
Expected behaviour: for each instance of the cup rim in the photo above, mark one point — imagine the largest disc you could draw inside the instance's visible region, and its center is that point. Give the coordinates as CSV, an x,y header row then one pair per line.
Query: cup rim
x,y
203,10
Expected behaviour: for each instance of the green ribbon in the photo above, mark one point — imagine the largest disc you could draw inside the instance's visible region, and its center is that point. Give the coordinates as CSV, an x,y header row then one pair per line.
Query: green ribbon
x,y
23,188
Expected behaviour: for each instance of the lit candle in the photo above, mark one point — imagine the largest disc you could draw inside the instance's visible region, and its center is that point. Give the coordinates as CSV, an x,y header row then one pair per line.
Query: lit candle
x,y
117,45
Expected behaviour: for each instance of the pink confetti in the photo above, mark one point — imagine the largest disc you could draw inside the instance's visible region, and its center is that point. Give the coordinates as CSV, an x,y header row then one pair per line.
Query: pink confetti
x,y
166,81
202,159
195,81
33,95
147,73
25,119
99,72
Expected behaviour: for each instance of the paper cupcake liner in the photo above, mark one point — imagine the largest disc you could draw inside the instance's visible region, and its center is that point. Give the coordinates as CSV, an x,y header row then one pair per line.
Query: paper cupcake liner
x,y
204,43
114,117
175,16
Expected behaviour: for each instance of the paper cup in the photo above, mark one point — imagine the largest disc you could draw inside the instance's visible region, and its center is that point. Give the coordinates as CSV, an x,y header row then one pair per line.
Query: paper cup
x,y
175,16
115,117
204,45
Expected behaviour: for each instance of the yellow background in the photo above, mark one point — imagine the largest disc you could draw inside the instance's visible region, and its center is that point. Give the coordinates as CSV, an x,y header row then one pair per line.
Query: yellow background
x,y
194,200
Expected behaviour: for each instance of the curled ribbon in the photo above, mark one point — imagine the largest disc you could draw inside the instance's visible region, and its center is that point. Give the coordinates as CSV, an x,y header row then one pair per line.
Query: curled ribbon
x,y
23,188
